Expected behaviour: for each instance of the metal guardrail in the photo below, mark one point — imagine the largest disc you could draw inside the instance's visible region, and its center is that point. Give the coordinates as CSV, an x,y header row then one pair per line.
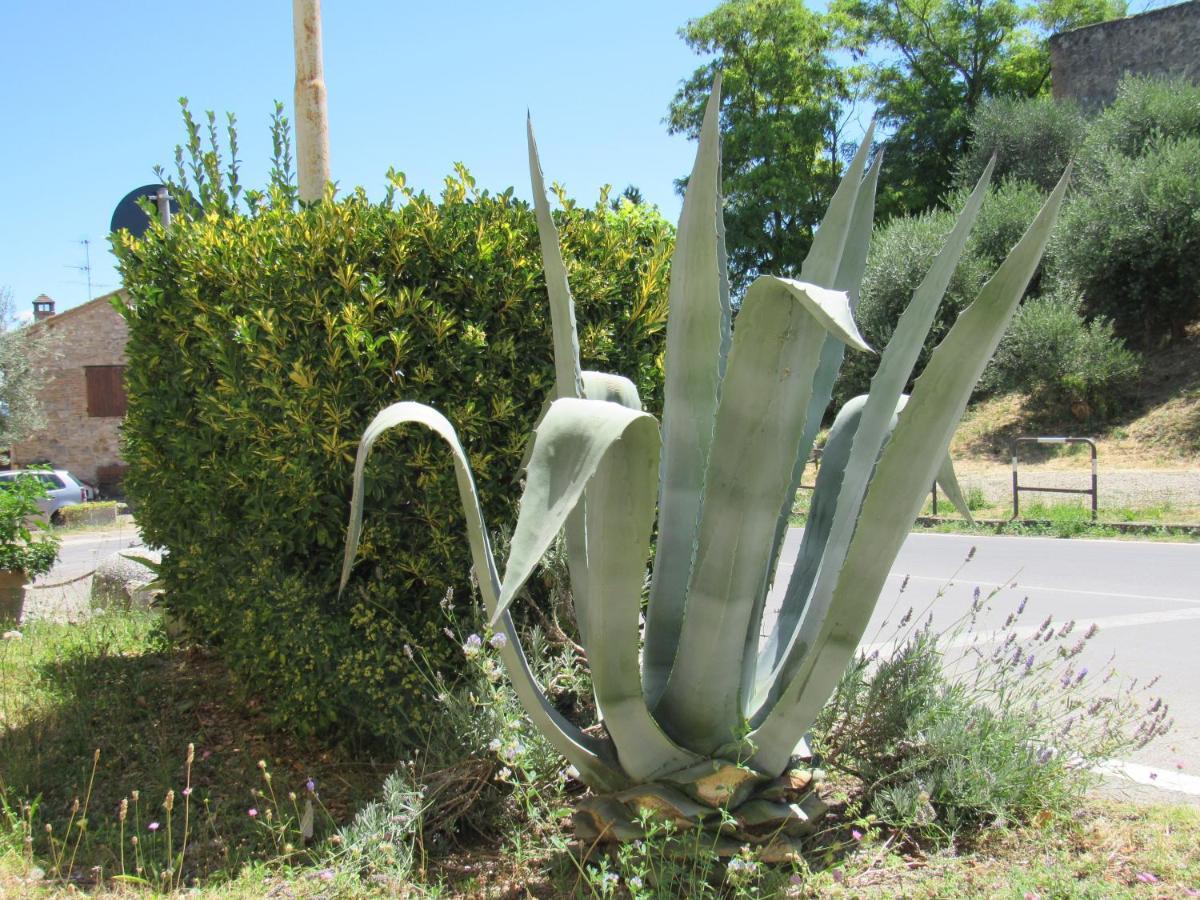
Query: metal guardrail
x,y
1017,487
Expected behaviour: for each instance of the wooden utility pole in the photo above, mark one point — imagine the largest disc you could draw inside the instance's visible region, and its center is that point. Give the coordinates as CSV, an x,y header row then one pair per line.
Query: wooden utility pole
x,y
312,117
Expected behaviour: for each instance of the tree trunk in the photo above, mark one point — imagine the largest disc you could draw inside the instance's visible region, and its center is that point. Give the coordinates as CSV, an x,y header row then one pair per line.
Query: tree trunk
x,y
312,119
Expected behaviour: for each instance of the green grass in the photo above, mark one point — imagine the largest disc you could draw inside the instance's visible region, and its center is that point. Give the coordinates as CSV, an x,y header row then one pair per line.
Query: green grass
x,y
115,685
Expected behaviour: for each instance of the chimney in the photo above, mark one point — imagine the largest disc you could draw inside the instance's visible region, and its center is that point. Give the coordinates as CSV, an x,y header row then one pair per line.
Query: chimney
x,y
43,308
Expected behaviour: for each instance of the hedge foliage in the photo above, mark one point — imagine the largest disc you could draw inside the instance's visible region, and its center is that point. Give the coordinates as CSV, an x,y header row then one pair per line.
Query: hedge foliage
x,y
262,343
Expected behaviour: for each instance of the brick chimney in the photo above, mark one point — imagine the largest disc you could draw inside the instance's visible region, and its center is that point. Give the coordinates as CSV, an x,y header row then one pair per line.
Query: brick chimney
x,y
43,308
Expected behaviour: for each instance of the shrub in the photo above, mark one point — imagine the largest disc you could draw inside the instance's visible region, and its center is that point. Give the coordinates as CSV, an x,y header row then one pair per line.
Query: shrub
x,y
966,727
1132,244
1067,364
1146,111
1033,140
20,549
261,343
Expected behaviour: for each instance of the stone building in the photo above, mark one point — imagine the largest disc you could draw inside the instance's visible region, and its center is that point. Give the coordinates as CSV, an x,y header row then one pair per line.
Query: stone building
x,y
1087,64
84,393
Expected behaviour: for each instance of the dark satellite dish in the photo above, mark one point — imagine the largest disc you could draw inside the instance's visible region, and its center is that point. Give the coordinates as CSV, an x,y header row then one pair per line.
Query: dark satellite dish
x,y
130,216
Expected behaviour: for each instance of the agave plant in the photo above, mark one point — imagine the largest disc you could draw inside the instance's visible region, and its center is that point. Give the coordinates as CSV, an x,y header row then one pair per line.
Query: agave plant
x,y
702,719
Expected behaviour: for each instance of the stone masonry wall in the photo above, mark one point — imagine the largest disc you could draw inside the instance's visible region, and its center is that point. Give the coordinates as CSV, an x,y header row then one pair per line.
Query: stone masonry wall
x,y
93,334
1087,64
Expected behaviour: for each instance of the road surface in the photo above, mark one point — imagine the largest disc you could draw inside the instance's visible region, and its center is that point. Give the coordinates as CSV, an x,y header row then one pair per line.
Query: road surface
x,y
1144,596
63,593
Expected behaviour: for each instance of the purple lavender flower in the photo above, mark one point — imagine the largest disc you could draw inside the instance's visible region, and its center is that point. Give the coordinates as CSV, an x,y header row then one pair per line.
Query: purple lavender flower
x,y
310,786
1080,676
1021,607
1028,663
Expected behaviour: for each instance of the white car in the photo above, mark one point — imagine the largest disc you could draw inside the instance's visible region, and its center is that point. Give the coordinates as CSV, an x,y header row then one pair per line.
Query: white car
x,y
62,489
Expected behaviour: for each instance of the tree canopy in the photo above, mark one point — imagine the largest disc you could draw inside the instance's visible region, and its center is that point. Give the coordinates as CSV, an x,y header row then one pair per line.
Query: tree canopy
x,y
783,96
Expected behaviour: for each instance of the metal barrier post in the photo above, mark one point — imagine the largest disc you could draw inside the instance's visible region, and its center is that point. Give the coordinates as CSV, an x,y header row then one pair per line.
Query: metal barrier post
x,y
1017,487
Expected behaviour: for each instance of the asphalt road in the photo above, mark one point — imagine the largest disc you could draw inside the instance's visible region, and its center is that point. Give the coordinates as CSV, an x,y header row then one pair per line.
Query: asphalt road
x,y
1143,596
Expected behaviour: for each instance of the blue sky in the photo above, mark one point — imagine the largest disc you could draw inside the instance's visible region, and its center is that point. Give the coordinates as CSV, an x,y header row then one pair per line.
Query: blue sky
x,y
89,95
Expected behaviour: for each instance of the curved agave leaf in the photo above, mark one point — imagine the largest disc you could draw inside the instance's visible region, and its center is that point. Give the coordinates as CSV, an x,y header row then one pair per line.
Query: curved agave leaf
x,y
816,532
593,757
910,461
852,265
947,480
568,381
612,452
697,340
869,435
760,420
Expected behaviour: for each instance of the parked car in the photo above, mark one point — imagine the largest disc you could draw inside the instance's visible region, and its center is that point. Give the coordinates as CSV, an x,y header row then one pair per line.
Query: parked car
x,y
62,489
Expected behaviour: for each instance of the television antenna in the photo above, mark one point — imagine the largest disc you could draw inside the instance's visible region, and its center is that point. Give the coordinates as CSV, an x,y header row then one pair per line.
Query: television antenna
x,y
86,268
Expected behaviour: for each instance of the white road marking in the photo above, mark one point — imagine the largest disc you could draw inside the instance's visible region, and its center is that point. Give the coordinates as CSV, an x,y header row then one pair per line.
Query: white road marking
x,y
1022,586
1159,778
1081,626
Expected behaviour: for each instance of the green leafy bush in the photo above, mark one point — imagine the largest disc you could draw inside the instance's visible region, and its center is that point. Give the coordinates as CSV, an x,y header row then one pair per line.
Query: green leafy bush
x,y
1070,366
1032,140
968,725
20,549
1146,111
1131,244
261,344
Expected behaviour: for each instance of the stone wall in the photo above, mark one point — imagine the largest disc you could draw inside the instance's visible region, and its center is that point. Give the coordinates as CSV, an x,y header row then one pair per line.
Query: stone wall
x,y
1087,64
93,334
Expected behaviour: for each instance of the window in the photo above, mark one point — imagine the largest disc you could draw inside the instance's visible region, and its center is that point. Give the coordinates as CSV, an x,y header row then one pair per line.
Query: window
x,y
105,390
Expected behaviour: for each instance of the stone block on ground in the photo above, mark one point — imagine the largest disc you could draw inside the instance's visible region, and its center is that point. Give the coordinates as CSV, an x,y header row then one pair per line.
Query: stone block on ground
x,y
123,583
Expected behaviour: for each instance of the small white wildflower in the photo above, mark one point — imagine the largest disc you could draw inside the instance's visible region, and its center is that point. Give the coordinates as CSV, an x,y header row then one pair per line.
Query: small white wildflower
x,y
448,633
635,882
494,745
473,645
408,651
504,774
499,640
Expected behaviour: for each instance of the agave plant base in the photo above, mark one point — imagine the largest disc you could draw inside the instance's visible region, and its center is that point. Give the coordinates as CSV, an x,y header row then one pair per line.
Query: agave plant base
x,y
734,804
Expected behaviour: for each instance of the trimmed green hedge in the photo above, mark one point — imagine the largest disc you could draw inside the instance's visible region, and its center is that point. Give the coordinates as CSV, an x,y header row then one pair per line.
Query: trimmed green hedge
x,y
260,347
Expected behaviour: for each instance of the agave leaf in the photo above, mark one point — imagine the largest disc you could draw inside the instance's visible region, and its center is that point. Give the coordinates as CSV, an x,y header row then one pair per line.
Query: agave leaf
x,y
596,386
823,263
852,265
612,452
593,757
765,395
806,591
697,339
568,382
909,463
947,480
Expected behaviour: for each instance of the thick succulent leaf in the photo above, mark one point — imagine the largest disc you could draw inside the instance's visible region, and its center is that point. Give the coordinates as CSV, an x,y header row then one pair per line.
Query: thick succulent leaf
x,y
697,339
764,398
910,462
822,264
568,382
806,591
611,452
947,480
596,386
611,388
849,277
593,757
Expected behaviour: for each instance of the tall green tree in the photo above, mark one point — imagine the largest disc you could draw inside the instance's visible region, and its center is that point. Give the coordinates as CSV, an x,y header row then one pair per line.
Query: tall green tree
x,y
21,375
930,64
782,102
